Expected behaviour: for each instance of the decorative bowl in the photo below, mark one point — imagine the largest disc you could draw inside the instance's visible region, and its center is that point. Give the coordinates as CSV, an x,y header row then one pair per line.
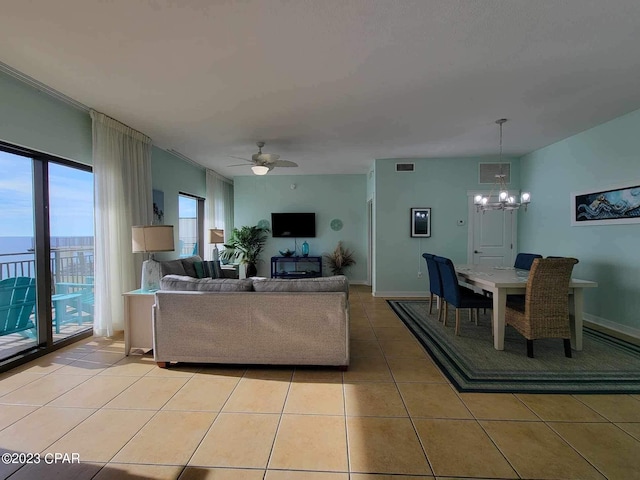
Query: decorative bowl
x,y
286,253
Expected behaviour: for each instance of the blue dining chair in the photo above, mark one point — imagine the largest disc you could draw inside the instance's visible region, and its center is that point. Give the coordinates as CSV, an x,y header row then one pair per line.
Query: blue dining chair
x,y
524,260
456,295
435,284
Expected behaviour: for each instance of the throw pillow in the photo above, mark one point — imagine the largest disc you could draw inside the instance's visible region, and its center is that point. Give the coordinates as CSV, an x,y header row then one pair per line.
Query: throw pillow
x,y
208,269
188,264
199,269
172,267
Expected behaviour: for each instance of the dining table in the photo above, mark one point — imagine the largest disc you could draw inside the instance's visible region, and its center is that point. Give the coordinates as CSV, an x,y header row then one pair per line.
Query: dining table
x,y
503,281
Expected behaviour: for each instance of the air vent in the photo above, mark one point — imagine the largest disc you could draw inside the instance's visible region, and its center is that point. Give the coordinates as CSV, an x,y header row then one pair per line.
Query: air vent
x,y
405,167
488,172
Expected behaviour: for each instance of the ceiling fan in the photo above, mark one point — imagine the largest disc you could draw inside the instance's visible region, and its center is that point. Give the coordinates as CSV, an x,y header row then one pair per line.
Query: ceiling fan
x,y
263,162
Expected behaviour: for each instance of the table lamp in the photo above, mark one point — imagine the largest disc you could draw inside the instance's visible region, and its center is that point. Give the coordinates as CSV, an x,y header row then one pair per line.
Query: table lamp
x,y
150,239
216,235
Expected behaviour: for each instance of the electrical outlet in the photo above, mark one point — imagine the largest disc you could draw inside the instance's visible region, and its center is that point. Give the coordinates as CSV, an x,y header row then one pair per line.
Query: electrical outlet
x,y
419,274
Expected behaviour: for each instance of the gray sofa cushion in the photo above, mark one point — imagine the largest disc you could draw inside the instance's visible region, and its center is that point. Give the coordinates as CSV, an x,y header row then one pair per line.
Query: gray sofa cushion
x,y
337,283
172,267
180,266
186,283
189,267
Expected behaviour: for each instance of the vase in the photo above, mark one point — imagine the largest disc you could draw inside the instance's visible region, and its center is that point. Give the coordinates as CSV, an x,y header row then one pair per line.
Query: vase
x,y
252,270
305,249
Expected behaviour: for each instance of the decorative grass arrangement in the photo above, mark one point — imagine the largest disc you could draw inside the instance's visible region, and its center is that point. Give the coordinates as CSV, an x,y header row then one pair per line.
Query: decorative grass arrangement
x,y
339,259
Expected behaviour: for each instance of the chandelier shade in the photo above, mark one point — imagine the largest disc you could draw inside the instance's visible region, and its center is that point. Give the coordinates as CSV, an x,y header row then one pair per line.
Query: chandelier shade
x,y
499,197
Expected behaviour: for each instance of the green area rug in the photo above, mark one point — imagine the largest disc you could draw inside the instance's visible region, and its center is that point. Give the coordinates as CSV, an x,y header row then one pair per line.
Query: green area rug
x,y
605,365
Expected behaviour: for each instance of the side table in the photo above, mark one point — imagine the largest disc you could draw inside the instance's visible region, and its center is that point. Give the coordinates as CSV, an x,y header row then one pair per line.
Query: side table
x,y
138,323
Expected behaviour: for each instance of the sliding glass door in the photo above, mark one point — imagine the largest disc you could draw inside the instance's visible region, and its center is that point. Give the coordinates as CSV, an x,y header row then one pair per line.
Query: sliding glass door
x,y
71,249
46,251
18,318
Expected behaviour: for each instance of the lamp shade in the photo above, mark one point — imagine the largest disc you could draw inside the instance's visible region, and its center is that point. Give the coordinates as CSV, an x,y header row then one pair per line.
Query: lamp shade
x,y
260,169
216,235
152,238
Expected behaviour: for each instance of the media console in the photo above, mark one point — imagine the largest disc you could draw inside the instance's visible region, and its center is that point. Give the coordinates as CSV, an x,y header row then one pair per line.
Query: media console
x,y
296,267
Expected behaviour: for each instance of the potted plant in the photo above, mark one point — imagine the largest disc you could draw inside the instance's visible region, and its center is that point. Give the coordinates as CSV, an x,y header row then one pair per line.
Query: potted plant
x,y
245,245
339,259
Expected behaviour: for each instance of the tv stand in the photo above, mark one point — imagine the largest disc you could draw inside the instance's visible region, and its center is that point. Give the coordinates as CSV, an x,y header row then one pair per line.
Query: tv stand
x,y
296,267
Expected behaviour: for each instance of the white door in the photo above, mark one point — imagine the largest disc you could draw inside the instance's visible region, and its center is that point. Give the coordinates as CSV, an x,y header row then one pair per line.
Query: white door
x,y
492,237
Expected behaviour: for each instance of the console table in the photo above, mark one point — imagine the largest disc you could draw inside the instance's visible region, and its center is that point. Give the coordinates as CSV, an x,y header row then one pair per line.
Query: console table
x,y
296,267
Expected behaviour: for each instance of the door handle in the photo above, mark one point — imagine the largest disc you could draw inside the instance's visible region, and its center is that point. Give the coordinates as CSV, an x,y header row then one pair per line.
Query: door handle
x,y
476,251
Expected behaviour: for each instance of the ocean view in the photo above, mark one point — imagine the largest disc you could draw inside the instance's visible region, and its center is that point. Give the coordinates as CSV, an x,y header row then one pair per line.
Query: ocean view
x,y
20,245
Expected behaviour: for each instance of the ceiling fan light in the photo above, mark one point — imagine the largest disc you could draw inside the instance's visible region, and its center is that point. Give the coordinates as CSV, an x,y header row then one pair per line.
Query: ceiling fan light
x,y
260,169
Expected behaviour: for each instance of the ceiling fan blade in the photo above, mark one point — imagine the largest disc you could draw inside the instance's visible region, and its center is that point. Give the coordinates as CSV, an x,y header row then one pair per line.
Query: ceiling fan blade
x,y
284,163
240,158
240,165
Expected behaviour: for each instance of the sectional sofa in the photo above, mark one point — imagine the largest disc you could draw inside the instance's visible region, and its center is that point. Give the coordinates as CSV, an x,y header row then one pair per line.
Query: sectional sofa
x,y
252,321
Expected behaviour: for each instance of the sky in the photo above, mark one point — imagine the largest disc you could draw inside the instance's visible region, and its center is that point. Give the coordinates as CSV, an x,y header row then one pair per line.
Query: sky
x,y
70,192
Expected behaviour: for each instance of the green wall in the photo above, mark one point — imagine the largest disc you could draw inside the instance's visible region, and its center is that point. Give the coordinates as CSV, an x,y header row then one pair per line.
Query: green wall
x,y
33,119
441,184
172,175
329,196
604,156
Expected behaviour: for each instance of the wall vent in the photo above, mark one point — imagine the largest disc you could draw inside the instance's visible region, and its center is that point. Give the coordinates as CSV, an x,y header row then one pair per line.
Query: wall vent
x,y
488,172
405,167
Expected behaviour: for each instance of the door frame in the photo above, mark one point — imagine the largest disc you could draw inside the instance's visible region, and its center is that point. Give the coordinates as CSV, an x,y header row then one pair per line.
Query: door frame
x,y
369,241
470,224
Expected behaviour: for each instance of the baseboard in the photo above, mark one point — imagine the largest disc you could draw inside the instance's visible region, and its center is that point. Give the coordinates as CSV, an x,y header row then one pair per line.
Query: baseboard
x,y
419,294
630,334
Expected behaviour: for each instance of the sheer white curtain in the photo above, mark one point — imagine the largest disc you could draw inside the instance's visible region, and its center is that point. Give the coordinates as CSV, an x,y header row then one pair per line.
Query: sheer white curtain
x,y
218,206
122,192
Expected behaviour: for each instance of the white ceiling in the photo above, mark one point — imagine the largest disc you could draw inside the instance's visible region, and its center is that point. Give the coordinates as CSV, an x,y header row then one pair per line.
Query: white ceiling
x,y
333,84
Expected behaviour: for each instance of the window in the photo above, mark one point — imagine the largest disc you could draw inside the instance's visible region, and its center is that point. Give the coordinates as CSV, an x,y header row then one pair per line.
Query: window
x,y
190,225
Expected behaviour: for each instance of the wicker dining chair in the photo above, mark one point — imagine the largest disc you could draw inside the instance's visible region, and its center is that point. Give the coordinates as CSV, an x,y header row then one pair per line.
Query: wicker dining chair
x,y
545,311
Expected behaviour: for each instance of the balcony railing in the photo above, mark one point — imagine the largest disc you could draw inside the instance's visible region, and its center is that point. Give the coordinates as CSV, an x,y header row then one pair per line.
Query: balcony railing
x,y
68,264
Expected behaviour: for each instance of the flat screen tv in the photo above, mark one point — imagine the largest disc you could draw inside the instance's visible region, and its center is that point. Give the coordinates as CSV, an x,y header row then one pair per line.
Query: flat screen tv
x,y
296,225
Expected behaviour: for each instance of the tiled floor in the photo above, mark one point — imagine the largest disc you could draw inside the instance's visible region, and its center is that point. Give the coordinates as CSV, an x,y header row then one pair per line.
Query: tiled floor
x,y
391,416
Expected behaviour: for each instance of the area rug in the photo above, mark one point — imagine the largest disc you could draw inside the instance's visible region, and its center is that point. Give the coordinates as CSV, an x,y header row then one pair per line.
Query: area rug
x,y
605,365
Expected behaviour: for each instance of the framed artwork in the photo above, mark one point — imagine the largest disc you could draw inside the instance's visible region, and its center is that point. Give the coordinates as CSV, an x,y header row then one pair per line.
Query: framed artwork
x,y
158,207
606,207
420,222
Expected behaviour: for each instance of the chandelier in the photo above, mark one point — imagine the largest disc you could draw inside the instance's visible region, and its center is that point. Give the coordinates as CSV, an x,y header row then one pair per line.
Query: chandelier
x,y
503,200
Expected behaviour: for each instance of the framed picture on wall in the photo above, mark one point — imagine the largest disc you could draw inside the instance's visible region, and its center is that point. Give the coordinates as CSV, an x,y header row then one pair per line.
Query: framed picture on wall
x,y
158,207
606,207
420,222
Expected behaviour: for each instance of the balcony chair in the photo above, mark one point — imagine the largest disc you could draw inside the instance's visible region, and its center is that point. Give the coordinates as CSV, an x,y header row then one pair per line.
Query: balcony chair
x,y
435,284
545,312
458,296
17,302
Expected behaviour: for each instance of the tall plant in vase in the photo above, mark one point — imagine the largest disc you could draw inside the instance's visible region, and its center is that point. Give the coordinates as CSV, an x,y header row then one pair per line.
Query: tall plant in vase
x,y
246,244
339,259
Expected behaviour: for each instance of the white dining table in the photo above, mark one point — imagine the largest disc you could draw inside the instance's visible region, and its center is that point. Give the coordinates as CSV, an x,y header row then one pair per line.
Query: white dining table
x,y
503,281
